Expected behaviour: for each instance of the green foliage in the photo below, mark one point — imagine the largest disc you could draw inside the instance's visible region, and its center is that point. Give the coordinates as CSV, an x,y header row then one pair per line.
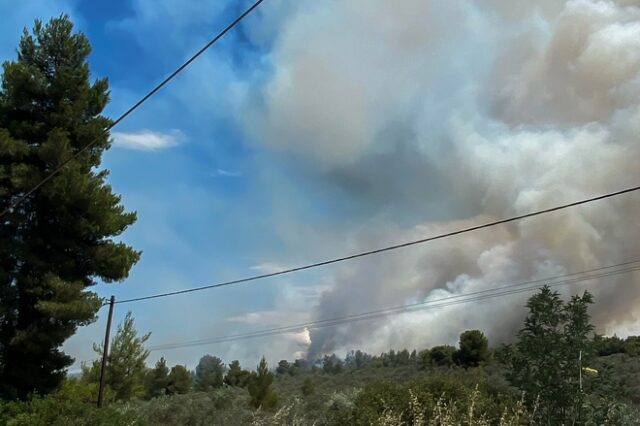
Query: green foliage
x,y
331,364
358,359
435,401
545,362
283,367
260,390
73,404
632,346
220,407
605,346
236,376
618,378
58,242
442,356
307,387
300,366
605,411
394,388
179,380
424,359
395,359
157,380
126,370
209,373
160,381
451,397
473,349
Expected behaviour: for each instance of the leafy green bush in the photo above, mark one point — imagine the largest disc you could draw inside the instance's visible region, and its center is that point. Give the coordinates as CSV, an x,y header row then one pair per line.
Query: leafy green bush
x,y
72,405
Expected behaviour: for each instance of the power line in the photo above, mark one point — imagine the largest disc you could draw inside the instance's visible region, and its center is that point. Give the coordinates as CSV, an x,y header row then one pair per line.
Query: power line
x,y
480,295
327,323
134,106
384,249
630,266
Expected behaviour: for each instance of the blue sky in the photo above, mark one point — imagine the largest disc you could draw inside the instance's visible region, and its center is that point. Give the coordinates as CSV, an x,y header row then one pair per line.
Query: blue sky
x,y
316,129
204,210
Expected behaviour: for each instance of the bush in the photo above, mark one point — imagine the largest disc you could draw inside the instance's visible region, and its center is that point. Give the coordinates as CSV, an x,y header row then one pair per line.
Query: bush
x,y
307,387
72,405
223,406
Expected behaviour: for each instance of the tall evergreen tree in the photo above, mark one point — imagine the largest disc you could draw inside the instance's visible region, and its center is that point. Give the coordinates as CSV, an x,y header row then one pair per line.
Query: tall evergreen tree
x,y
179,380
260,390
473,349
237,376
58,241
126,362
157,380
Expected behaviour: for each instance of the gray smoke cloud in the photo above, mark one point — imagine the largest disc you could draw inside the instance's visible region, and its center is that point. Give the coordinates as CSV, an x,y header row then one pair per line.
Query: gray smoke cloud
x,y
436,115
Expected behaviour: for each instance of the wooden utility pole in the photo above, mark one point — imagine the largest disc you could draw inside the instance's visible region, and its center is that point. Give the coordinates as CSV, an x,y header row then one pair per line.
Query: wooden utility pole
x,y
105,352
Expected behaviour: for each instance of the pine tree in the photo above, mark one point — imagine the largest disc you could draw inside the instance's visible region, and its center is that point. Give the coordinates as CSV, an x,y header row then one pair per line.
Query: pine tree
x,y
157,380
236,376
179,380
58,242
441,356
473,349
209,373
126,362
260,391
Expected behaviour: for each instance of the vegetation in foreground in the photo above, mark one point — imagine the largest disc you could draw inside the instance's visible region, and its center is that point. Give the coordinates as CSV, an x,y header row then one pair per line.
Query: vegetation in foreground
x,y
535,381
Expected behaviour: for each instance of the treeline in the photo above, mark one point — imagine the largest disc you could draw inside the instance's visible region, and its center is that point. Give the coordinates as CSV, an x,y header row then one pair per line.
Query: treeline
x,y
551,374
605,346
128,377
473,350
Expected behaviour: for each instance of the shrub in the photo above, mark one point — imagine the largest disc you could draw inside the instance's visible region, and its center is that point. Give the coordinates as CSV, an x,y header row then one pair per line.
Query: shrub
x,y
307,387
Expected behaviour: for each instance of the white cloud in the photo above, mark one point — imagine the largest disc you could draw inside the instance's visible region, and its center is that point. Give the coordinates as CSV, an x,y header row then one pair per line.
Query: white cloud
x,y
147,140
228,173
267,268
271,317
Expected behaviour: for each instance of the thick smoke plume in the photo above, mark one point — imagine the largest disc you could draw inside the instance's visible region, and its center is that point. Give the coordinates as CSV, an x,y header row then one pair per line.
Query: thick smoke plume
x,y
434,115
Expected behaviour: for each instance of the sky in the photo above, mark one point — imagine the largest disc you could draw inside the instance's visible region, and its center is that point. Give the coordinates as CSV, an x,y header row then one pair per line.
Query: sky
x,y
319,129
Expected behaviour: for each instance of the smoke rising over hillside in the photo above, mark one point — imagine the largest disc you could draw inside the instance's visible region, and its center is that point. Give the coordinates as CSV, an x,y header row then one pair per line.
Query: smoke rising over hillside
x,y
434,115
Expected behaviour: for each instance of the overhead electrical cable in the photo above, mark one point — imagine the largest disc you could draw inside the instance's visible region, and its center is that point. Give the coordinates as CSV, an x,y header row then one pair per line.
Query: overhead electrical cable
x,y
521,287
383,249
135,106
